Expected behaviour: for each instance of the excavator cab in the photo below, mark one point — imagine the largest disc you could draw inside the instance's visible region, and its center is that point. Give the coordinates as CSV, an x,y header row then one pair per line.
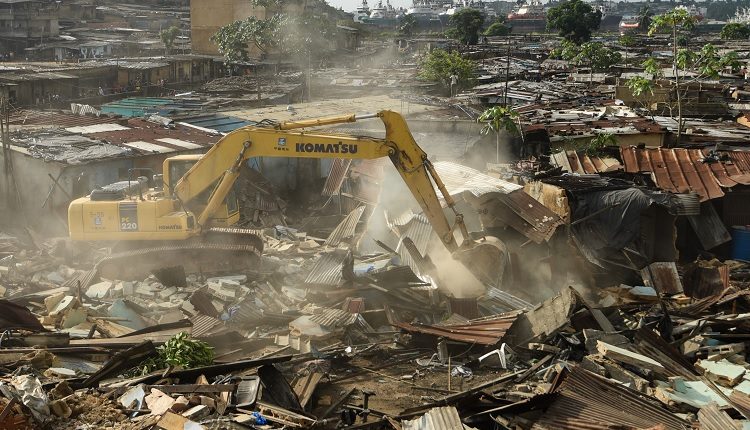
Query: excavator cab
x,y
176,167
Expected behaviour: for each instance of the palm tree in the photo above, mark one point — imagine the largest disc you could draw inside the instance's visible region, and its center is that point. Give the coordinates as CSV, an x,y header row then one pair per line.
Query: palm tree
x,y
644,18
496,119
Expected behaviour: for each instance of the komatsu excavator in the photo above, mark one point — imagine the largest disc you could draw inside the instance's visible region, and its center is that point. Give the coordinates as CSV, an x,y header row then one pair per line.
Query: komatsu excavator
x,y
188,217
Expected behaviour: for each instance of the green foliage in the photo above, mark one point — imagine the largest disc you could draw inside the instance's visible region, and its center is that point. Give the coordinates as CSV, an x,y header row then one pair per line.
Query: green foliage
x,y
233,39
673,21
599,142
735,31
639,85
498,118
465,25
497,29
296,36
168,35
597,56
628,40
180,351
574,20
440,65
407,24
644,17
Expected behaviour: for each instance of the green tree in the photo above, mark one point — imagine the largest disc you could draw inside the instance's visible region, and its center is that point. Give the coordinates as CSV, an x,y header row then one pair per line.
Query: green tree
x,y
465,25
407,24
168,36
497,29
704,64
575,20
439,66
735,31
675,21
644,18
495,120
233,39
599,142
597,57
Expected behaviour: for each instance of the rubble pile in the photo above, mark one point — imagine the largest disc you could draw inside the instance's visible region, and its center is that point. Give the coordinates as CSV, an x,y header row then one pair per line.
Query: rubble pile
x,y
321,335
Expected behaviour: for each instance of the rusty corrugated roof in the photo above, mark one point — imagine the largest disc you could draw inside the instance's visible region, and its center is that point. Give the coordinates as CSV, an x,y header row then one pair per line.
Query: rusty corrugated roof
x,y
582,163
589,401
486,331
681,170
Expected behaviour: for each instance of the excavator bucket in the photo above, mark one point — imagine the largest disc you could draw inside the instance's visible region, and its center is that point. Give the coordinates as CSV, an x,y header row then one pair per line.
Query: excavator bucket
x,y
487,259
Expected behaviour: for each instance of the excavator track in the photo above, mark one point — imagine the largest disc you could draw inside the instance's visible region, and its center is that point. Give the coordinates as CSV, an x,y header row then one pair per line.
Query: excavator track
x,y
219,250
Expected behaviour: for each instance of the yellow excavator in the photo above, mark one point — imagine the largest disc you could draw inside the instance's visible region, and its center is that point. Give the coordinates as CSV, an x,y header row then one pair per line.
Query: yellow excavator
x,y
189,216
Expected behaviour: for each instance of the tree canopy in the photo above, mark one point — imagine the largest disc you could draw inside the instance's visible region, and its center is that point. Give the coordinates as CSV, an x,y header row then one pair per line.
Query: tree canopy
x,y
168,36
465,25
574,20
735,31
439,66
295,36
407,24
497,29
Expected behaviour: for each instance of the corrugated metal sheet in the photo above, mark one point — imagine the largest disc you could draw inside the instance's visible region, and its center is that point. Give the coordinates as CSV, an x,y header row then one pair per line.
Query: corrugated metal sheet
x,y
333,318
203,324
326,270
458,179
529,217
345,229
588,401
441,418
663,277
581,163
713,418
681,170
339,169
487,331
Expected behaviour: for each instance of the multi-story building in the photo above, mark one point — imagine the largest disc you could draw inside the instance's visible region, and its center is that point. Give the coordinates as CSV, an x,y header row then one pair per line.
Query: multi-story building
x,y
26,22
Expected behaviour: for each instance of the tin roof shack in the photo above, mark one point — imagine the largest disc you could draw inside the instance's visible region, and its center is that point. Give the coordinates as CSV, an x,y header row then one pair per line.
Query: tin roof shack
x,y
348,38
720,181
192,68
704,99
51,168
38,88
139,75
573,129
617,229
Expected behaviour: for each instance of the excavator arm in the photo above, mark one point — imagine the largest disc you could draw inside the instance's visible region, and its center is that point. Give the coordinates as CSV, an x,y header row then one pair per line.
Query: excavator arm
x,y
220,166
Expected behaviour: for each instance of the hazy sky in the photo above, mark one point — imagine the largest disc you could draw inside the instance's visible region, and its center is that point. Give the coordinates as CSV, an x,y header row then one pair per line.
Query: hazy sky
x,y
350,5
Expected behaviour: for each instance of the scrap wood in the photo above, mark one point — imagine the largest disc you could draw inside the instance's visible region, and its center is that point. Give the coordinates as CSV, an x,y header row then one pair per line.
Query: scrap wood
x,y
120,362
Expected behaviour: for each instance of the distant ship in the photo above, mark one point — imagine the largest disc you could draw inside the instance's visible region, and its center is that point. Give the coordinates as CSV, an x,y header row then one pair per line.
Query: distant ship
x,y
451,9
362,13
610,18
692,11
384,15
425,10
529,17
629,24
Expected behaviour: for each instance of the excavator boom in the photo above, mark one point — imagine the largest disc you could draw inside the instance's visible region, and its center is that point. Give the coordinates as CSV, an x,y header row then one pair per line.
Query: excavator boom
x,y
187,209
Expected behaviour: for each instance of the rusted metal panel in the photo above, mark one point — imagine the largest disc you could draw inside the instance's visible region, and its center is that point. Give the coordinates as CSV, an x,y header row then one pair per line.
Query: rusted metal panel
x,y
581,163
663,277
488,331
589,401
327,269
681,170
